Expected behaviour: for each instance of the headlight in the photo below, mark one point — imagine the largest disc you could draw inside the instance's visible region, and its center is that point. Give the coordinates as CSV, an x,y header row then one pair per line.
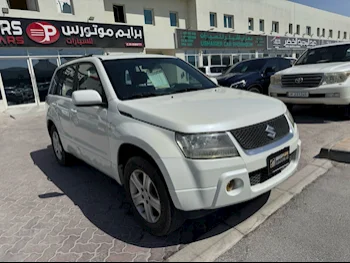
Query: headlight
x,y
290,118
206,146
333,78
276,79
239,84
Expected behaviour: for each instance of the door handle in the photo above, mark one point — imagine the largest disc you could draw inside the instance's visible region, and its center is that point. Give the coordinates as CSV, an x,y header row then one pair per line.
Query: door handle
x,y
73,110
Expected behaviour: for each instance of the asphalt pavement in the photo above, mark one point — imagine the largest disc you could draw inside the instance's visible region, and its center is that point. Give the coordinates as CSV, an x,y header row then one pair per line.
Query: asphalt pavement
x,y
314,226
53,213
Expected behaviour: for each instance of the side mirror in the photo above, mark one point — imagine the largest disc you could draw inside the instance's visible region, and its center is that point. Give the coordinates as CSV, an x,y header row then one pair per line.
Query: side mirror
x,y
215,81
86,98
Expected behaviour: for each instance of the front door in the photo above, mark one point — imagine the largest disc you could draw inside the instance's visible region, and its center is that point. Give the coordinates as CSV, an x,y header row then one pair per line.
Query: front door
x,y
90,124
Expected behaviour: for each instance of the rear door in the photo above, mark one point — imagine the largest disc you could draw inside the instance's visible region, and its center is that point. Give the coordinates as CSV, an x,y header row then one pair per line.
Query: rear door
x,y
60,101
90,123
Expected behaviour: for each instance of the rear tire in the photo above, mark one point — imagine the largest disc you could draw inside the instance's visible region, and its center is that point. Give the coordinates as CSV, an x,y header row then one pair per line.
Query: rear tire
x,y
149,198
62,157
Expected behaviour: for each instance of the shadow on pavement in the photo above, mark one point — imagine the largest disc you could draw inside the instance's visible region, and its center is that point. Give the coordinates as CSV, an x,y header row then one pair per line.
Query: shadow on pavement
x,y
103,202
318,114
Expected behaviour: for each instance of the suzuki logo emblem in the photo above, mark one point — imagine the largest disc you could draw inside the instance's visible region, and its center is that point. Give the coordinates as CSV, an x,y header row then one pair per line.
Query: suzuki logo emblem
x,y
299,80
270,132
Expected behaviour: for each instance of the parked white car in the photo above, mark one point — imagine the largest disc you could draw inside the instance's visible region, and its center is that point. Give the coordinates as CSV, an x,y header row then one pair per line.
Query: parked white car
x,y
213,71
170,135
320,76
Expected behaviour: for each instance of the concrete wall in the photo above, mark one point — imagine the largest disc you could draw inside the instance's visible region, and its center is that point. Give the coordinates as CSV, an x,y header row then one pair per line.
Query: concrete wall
x,y
160,35
282,11
83,9
194,14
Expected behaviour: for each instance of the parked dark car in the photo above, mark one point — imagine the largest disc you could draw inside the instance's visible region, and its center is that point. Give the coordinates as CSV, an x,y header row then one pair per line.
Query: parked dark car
x,y
253,75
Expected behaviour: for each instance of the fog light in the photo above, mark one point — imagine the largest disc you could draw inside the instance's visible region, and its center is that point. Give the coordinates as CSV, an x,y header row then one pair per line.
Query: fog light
x,y
332,95
233,185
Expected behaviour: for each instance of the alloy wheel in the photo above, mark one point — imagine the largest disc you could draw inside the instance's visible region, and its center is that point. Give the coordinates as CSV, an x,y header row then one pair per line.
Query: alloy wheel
x,y
145,196
57,145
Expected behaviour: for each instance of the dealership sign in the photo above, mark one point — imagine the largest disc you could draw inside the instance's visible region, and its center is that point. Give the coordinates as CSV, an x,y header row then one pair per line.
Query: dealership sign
x,y
277,42
190,39
35,33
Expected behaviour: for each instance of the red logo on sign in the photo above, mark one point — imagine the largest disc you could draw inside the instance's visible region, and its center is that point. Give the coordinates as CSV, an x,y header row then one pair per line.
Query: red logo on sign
x,y
43,33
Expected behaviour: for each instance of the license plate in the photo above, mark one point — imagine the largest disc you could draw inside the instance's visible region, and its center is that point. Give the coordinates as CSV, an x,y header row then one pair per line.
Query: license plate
x,y
278,161
298,94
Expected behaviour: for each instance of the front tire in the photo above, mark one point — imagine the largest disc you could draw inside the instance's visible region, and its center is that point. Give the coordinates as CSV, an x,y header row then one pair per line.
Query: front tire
x,y
254,89
62,157
149,198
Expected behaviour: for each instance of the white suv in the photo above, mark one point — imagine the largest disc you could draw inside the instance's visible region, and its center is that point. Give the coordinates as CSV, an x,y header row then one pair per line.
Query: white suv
x,y
320,76
170,135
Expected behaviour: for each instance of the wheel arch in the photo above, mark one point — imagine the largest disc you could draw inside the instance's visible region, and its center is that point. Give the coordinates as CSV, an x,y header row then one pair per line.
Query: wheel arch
x,y
136,147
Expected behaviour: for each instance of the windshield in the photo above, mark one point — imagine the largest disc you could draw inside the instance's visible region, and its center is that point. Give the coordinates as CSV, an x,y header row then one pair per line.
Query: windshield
x,y
340,53
247,66
149,77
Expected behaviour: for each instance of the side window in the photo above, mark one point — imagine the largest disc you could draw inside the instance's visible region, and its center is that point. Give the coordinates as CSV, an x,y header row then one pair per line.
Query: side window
x,y
285,63
65,85
55,82
274,64
88,79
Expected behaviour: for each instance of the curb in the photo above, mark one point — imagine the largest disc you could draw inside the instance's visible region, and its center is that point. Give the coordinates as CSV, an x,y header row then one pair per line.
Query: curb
x,y
208,250
339,151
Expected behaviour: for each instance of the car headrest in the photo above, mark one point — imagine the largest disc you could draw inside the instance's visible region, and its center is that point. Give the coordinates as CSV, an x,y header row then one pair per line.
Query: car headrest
x,y
139,78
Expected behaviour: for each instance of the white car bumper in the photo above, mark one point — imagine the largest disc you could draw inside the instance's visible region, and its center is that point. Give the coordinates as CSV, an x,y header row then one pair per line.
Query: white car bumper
x,y
207,180
336,94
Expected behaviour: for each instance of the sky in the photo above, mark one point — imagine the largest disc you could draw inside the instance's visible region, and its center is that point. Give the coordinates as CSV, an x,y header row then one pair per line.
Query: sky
x,y
341,7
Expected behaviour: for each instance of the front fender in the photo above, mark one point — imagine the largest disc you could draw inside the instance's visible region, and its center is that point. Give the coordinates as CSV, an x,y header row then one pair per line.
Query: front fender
x,y
159,143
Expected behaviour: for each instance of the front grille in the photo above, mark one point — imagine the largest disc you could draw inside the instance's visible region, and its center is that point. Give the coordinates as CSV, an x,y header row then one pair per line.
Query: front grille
x,y
261,176
255,136
302,81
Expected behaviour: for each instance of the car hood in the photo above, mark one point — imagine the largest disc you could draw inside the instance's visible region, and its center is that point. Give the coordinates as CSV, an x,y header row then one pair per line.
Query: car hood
x,y
219,109
317,68
237,76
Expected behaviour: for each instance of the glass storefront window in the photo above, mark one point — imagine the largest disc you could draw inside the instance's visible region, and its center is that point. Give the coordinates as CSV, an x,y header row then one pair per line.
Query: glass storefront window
x,y
226,60
17,82
245,57
192,60
44,69
205,61
216,60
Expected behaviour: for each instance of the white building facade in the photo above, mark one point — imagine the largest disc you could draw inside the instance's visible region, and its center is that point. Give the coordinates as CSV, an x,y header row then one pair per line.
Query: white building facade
x,y
203,32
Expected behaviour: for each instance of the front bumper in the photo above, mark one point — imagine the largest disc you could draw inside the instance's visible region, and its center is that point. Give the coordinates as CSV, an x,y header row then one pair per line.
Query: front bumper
x,y
336,94
202,183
